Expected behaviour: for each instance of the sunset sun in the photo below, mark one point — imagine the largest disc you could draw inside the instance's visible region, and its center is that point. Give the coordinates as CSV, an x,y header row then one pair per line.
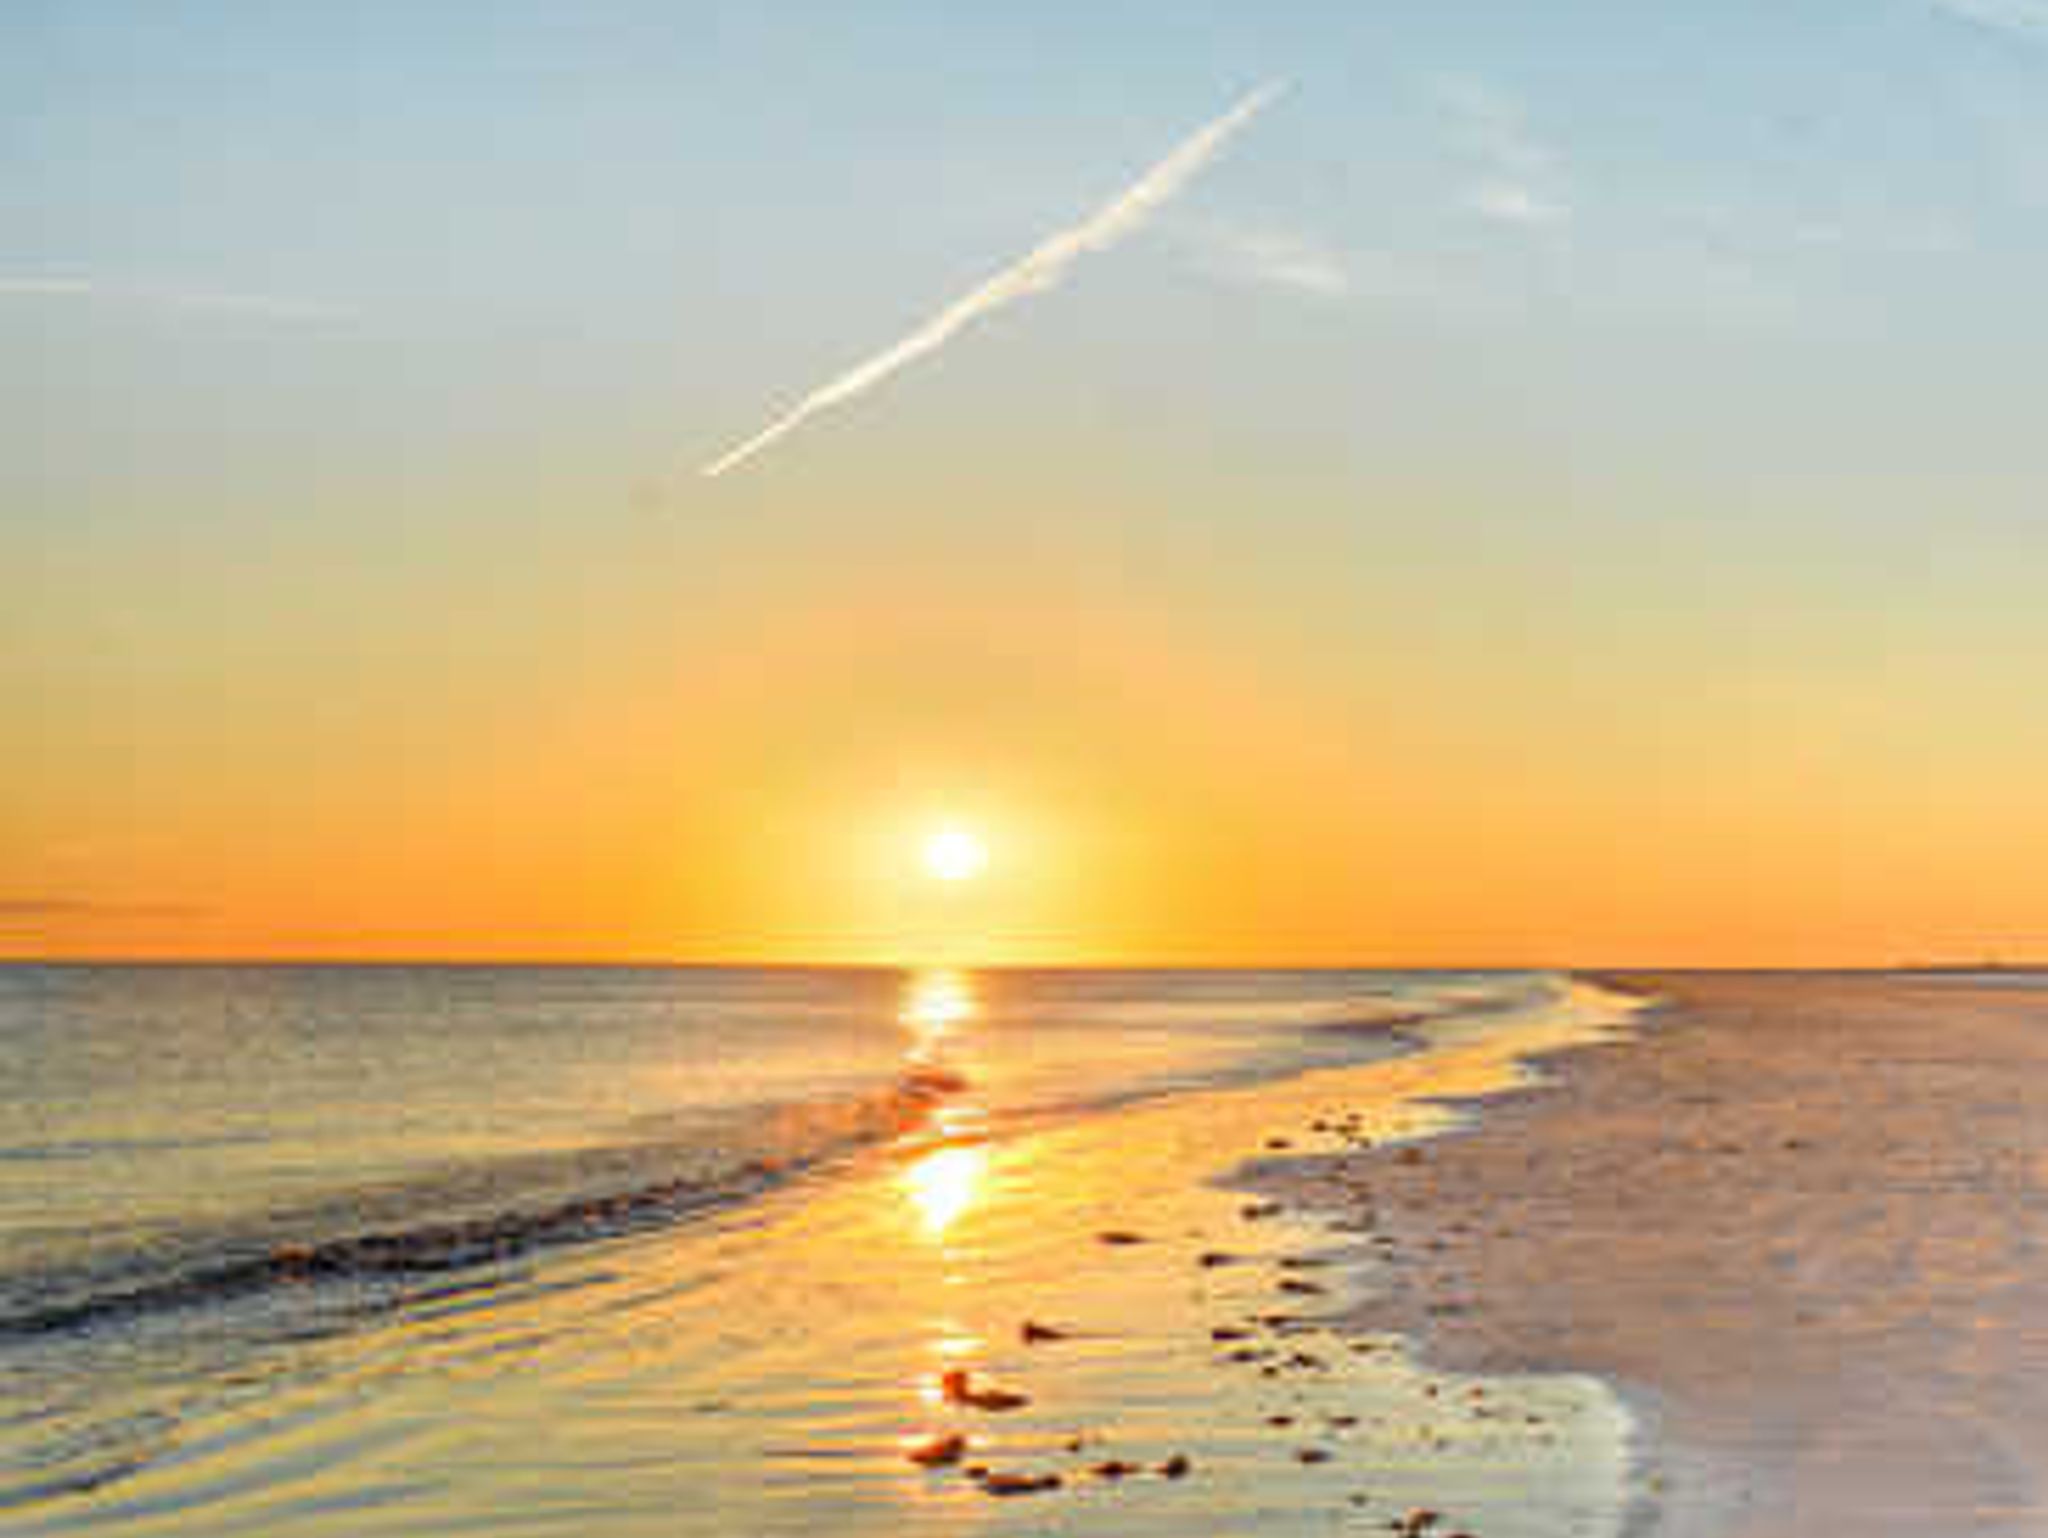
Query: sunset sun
x,y
954,854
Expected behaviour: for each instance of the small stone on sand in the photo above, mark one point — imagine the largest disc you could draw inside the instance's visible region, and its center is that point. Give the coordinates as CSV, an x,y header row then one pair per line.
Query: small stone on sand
x,y
938,1450
1020,1484
959,1389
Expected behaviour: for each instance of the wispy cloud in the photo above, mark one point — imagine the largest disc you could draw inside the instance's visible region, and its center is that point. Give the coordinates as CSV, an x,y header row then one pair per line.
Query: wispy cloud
x,y
2020,18
1492,124
1280,259
65,285
15,911
40,287
1045,267
1512,203
1303,266
266,306
1521,178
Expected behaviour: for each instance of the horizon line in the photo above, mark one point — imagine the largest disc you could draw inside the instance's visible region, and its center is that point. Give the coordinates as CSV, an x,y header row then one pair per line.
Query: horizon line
x,y
624,963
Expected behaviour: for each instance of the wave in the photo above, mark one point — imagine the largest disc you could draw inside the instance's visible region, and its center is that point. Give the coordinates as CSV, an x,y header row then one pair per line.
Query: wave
x,y
429,1227
495,1210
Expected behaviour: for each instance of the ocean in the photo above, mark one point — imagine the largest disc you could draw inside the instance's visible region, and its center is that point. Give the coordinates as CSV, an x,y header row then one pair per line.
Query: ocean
x,y
398,1249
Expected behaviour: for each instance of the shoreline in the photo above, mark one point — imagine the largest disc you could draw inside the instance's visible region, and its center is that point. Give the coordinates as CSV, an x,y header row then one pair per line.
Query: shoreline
x,y
1794,1222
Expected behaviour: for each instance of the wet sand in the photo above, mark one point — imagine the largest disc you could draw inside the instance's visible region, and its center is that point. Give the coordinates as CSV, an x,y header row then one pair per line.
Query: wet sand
x,y
1802,1223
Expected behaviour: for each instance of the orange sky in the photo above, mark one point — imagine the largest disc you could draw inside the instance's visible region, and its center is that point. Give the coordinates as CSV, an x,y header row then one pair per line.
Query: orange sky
x,y
1504,508
1147,792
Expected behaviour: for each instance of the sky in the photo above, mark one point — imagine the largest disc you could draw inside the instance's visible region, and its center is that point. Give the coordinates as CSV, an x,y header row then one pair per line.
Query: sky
x,y
1560,484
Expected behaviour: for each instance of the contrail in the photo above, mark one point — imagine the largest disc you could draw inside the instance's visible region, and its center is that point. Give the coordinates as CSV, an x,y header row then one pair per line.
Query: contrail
x,y
1042,269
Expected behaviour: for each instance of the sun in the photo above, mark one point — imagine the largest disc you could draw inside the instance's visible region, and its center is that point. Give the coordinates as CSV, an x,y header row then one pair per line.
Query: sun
x,y
954,854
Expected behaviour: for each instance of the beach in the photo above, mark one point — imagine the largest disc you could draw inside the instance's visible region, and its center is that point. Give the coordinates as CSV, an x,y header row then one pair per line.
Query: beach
x,y
1800,1223
1146,1255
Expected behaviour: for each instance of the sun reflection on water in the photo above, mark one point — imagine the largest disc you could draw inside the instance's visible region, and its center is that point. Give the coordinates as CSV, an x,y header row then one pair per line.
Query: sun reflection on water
x,y
944,1183
935,1003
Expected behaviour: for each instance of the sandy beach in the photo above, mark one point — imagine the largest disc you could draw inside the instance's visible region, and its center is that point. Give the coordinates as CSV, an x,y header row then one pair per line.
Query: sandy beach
x,y
1755,1257
1799,1222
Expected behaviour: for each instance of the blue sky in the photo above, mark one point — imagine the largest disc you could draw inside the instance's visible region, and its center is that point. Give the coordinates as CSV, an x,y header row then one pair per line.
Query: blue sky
x,y
365,356
702,206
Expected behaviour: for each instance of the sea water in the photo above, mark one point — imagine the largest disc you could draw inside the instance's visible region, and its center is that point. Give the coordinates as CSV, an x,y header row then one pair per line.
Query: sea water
x,y
411,1249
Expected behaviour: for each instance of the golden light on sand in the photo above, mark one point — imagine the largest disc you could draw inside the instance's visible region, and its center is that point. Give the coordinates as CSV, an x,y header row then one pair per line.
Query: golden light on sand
x,y
944,1184
954,854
